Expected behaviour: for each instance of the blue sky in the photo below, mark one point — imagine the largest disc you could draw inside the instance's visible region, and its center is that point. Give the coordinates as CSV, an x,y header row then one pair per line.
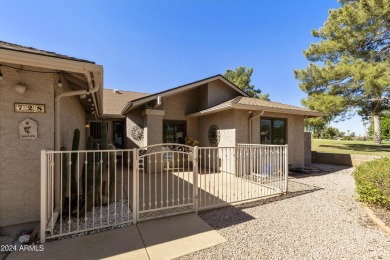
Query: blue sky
x,y
149,46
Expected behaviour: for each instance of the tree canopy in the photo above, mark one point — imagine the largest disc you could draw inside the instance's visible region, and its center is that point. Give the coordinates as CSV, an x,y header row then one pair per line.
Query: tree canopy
x,y
349,67
241,77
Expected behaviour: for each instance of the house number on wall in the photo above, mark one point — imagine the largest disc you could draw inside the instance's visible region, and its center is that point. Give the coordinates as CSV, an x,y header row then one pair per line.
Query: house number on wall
x,y
29,108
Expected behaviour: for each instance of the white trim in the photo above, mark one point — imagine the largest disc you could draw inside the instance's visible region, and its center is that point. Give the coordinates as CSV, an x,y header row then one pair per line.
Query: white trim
x,y
257,108
211,110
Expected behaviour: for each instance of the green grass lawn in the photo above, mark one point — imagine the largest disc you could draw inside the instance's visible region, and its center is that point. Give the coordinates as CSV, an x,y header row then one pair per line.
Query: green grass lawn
x,y
350,147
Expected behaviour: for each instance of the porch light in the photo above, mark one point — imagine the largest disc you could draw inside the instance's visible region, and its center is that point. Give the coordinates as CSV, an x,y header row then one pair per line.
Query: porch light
x,y
20,88
83,96
59,81
1,74
86,125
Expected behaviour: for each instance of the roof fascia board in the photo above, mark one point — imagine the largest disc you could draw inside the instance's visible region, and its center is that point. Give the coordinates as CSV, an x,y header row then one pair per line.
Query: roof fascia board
x,y
210,111
34,60
279,110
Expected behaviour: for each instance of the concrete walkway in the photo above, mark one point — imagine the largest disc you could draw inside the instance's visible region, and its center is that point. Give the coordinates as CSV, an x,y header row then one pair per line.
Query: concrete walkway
x,y
165,238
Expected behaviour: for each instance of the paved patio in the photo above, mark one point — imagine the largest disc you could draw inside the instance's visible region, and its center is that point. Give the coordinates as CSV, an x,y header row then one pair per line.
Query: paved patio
x,y
166,238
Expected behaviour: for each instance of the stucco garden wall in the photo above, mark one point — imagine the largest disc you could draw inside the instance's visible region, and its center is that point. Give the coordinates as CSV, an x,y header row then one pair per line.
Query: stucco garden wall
x,y
20,159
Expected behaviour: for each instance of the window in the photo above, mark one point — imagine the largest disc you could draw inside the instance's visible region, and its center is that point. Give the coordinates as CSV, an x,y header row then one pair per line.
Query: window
x,y
95,130
272,131
174,132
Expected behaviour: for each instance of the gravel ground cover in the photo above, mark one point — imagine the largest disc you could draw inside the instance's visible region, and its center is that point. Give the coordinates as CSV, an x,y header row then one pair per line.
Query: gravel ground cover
x,y
319,219
115,214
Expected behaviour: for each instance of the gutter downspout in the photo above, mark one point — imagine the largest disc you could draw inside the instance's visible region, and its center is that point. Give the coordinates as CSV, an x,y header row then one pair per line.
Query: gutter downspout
x,y
57,122
57,134
250,124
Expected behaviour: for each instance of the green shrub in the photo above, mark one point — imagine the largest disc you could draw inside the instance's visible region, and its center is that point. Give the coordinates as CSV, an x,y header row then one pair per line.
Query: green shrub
x,y
373,182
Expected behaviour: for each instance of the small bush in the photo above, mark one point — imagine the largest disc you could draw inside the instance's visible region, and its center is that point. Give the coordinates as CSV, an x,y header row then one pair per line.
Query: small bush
x,y
373,182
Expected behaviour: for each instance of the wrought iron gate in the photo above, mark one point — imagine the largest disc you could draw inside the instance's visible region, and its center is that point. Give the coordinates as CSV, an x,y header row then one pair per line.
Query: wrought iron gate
x,y
165,180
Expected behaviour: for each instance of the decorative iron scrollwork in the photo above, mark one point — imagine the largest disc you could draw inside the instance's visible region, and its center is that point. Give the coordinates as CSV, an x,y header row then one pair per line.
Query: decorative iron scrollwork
x,y
214,136
166,148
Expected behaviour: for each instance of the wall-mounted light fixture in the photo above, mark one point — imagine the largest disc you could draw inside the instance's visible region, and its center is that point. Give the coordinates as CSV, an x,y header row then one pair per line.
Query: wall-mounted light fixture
x,y
86,125
20,88
83,96
59,84
1,74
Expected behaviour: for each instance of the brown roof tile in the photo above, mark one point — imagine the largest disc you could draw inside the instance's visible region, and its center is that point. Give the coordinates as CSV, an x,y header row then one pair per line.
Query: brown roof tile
x,y
115,101
20,48
253,103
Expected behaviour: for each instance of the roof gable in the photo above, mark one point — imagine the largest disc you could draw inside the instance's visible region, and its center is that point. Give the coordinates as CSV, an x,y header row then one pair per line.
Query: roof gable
x,y
186,87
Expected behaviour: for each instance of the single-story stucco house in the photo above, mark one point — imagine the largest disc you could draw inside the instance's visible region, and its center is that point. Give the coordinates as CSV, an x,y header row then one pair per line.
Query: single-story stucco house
x,y
53,94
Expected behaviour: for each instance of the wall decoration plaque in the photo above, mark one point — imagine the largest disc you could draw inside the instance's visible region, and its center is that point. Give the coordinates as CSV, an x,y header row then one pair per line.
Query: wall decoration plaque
x,y
28,129
137,133
214,135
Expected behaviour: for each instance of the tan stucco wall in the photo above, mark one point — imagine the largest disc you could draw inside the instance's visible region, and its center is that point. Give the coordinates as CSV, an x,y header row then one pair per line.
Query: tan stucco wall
x,y
226,123
153,129
20,159
176,107
134,120
219,92
72,116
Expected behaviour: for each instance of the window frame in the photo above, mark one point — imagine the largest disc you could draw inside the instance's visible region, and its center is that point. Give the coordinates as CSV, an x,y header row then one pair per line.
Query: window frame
x,y
272,119
174,121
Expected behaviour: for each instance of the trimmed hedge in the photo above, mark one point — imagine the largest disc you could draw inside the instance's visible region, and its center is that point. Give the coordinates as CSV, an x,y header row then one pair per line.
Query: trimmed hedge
x,y
373,182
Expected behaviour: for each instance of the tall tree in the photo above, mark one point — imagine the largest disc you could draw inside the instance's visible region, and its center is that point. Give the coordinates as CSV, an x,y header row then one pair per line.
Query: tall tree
x,y
242,78
350,66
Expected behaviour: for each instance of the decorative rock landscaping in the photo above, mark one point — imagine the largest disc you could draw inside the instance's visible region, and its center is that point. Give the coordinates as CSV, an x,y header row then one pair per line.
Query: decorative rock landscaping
x,y
319,218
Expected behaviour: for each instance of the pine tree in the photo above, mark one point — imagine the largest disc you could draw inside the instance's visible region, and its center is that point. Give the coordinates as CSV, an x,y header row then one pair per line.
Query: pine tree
x,y
350,66
241,77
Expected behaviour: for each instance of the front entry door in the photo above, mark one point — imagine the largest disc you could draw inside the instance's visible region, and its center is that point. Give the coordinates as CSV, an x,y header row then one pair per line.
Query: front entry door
x,y
118,134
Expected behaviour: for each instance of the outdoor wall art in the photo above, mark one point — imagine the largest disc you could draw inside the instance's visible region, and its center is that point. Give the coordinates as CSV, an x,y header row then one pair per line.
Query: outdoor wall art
x,y
214,136
137,133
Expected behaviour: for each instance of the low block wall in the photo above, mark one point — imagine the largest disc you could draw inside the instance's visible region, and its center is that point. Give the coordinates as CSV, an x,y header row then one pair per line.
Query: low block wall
x,y
341,159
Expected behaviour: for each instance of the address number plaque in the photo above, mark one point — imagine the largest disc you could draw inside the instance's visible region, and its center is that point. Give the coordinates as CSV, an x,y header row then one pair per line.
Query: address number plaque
x,y
29,108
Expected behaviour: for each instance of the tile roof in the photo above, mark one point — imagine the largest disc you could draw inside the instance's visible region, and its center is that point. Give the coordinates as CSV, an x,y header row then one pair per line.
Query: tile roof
x,y
259,104
20,48
114,101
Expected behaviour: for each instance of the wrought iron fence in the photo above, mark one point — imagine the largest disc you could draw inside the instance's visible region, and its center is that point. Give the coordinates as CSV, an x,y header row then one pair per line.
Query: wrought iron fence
x,y
94,189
